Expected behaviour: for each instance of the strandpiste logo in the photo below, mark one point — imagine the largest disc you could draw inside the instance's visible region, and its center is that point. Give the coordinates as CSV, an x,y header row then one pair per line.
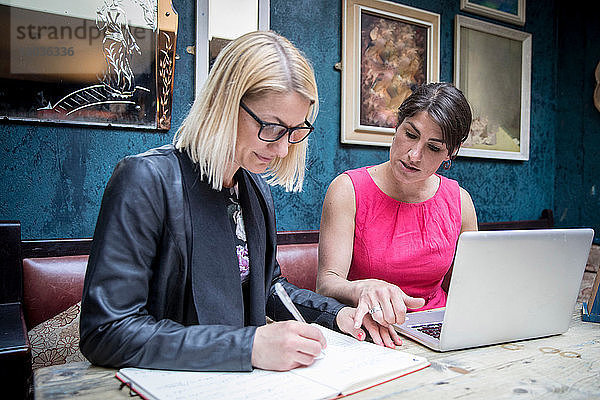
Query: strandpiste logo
x,y
82,30
60,43
105,48
78,29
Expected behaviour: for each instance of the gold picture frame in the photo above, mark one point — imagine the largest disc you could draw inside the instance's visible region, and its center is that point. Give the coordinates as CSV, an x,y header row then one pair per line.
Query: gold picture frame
x,y
492,66
387,50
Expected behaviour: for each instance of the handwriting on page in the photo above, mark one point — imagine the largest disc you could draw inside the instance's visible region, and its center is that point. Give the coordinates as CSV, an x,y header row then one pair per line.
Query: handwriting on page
x,y
348,359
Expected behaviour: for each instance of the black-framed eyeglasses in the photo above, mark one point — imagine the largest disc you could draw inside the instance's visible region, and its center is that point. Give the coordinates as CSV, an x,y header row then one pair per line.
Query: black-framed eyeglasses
x,y
272,132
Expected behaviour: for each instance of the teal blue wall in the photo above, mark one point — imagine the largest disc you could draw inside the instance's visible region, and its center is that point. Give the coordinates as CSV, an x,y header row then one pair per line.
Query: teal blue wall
x,y
501,190
53,176
577,187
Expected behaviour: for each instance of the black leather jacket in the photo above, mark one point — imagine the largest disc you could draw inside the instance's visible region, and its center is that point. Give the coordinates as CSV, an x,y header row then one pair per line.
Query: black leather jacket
x,y
162,287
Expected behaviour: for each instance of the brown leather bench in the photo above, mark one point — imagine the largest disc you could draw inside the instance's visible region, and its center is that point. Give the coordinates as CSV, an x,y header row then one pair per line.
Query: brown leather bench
x,y
53,284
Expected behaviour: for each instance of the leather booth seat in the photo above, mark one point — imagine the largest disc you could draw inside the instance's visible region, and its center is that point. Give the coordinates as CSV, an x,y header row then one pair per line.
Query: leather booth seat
x,y
51,285
299,263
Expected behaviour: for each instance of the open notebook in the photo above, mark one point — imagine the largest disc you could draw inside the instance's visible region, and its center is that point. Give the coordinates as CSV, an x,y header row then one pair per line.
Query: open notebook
x,y
349,366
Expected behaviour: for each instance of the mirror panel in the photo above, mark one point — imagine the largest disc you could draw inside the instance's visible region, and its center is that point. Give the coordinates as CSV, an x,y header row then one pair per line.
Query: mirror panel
x,y
98,62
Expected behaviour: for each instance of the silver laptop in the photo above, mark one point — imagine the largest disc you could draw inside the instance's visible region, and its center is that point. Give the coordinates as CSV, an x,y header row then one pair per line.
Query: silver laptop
x,y
506,286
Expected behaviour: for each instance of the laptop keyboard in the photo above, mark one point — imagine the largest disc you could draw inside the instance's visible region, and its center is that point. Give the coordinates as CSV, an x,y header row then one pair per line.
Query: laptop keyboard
x,y
430,329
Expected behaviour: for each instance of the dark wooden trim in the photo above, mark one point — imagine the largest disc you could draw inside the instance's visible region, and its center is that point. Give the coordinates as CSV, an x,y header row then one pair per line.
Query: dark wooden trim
x,y
56,247
73,247
297,237
11,277
546,221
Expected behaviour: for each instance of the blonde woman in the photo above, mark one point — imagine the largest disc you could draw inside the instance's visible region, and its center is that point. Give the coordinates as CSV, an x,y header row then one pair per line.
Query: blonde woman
x,y
183,259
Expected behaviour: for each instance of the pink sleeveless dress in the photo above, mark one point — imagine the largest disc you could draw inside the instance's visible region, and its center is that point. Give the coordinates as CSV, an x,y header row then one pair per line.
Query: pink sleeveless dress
x,y
408,244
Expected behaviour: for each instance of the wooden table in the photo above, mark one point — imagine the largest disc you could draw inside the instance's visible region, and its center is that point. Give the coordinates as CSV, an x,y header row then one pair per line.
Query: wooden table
x,y
565,366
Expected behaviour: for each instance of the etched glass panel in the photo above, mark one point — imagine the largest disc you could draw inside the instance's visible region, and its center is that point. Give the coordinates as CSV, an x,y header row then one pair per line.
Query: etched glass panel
x,y
86,61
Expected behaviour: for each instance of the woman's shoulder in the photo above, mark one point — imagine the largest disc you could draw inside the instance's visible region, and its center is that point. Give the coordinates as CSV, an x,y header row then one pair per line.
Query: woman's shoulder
x,y
350,185
449,192
359,177
448,181
355,172
162,154
448,185
158,162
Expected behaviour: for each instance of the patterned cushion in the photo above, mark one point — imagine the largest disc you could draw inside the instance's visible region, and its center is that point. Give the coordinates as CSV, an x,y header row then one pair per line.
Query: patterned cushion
x,y
56,341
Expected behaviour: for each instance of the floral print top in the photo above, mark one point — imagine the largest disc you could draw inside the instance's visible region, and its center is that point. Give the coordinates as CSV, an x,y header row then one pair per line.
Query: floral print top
x,y
234,211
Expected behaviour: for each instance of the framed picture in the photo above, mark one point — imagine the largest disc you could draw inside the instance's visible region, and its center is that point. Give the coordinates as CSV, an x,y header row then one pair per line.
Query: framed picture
x,y
220,21
94,62
492,66
387,50
512,11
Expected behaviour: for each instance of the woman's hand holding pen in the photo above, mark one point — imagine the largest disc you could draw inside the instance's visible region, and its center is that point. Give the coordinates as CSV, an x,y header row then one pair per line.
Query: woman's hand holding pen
x,y
385,304
282,346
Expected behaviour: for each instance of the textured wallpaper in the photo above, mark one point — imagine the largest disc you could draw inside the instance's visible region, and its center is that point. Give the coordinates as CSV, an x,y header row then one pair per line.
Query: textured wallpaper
x,y
53,177
501,190
577,196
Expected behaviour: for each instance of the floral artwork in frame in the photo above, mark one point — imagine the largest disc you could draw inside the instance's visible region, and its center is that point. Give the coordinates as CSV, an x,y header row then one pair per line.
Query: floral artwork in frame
x,y
512,11
388,50
492,66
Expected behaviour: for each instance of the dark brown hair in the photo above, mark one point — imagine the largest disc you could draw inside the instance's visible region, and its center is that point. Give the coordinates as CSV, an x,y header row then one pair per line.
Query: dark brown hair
x,y
448,108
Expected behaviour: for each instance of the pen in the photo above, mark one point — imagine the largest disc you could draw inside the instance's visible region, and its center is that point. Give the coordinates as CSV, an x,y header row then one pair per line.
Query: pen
x,y
287,302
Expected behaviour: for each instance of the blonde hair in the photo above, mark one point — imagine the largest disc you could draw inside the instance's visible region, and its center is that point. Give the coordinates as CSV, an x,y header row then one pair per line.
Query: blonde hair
x,y
253,65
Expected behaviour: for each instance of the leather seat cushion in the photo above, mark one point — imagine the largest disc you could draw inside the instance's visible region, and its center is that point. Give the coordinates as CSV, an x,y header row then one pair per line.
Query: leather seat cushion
x,y
51,285
299,263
